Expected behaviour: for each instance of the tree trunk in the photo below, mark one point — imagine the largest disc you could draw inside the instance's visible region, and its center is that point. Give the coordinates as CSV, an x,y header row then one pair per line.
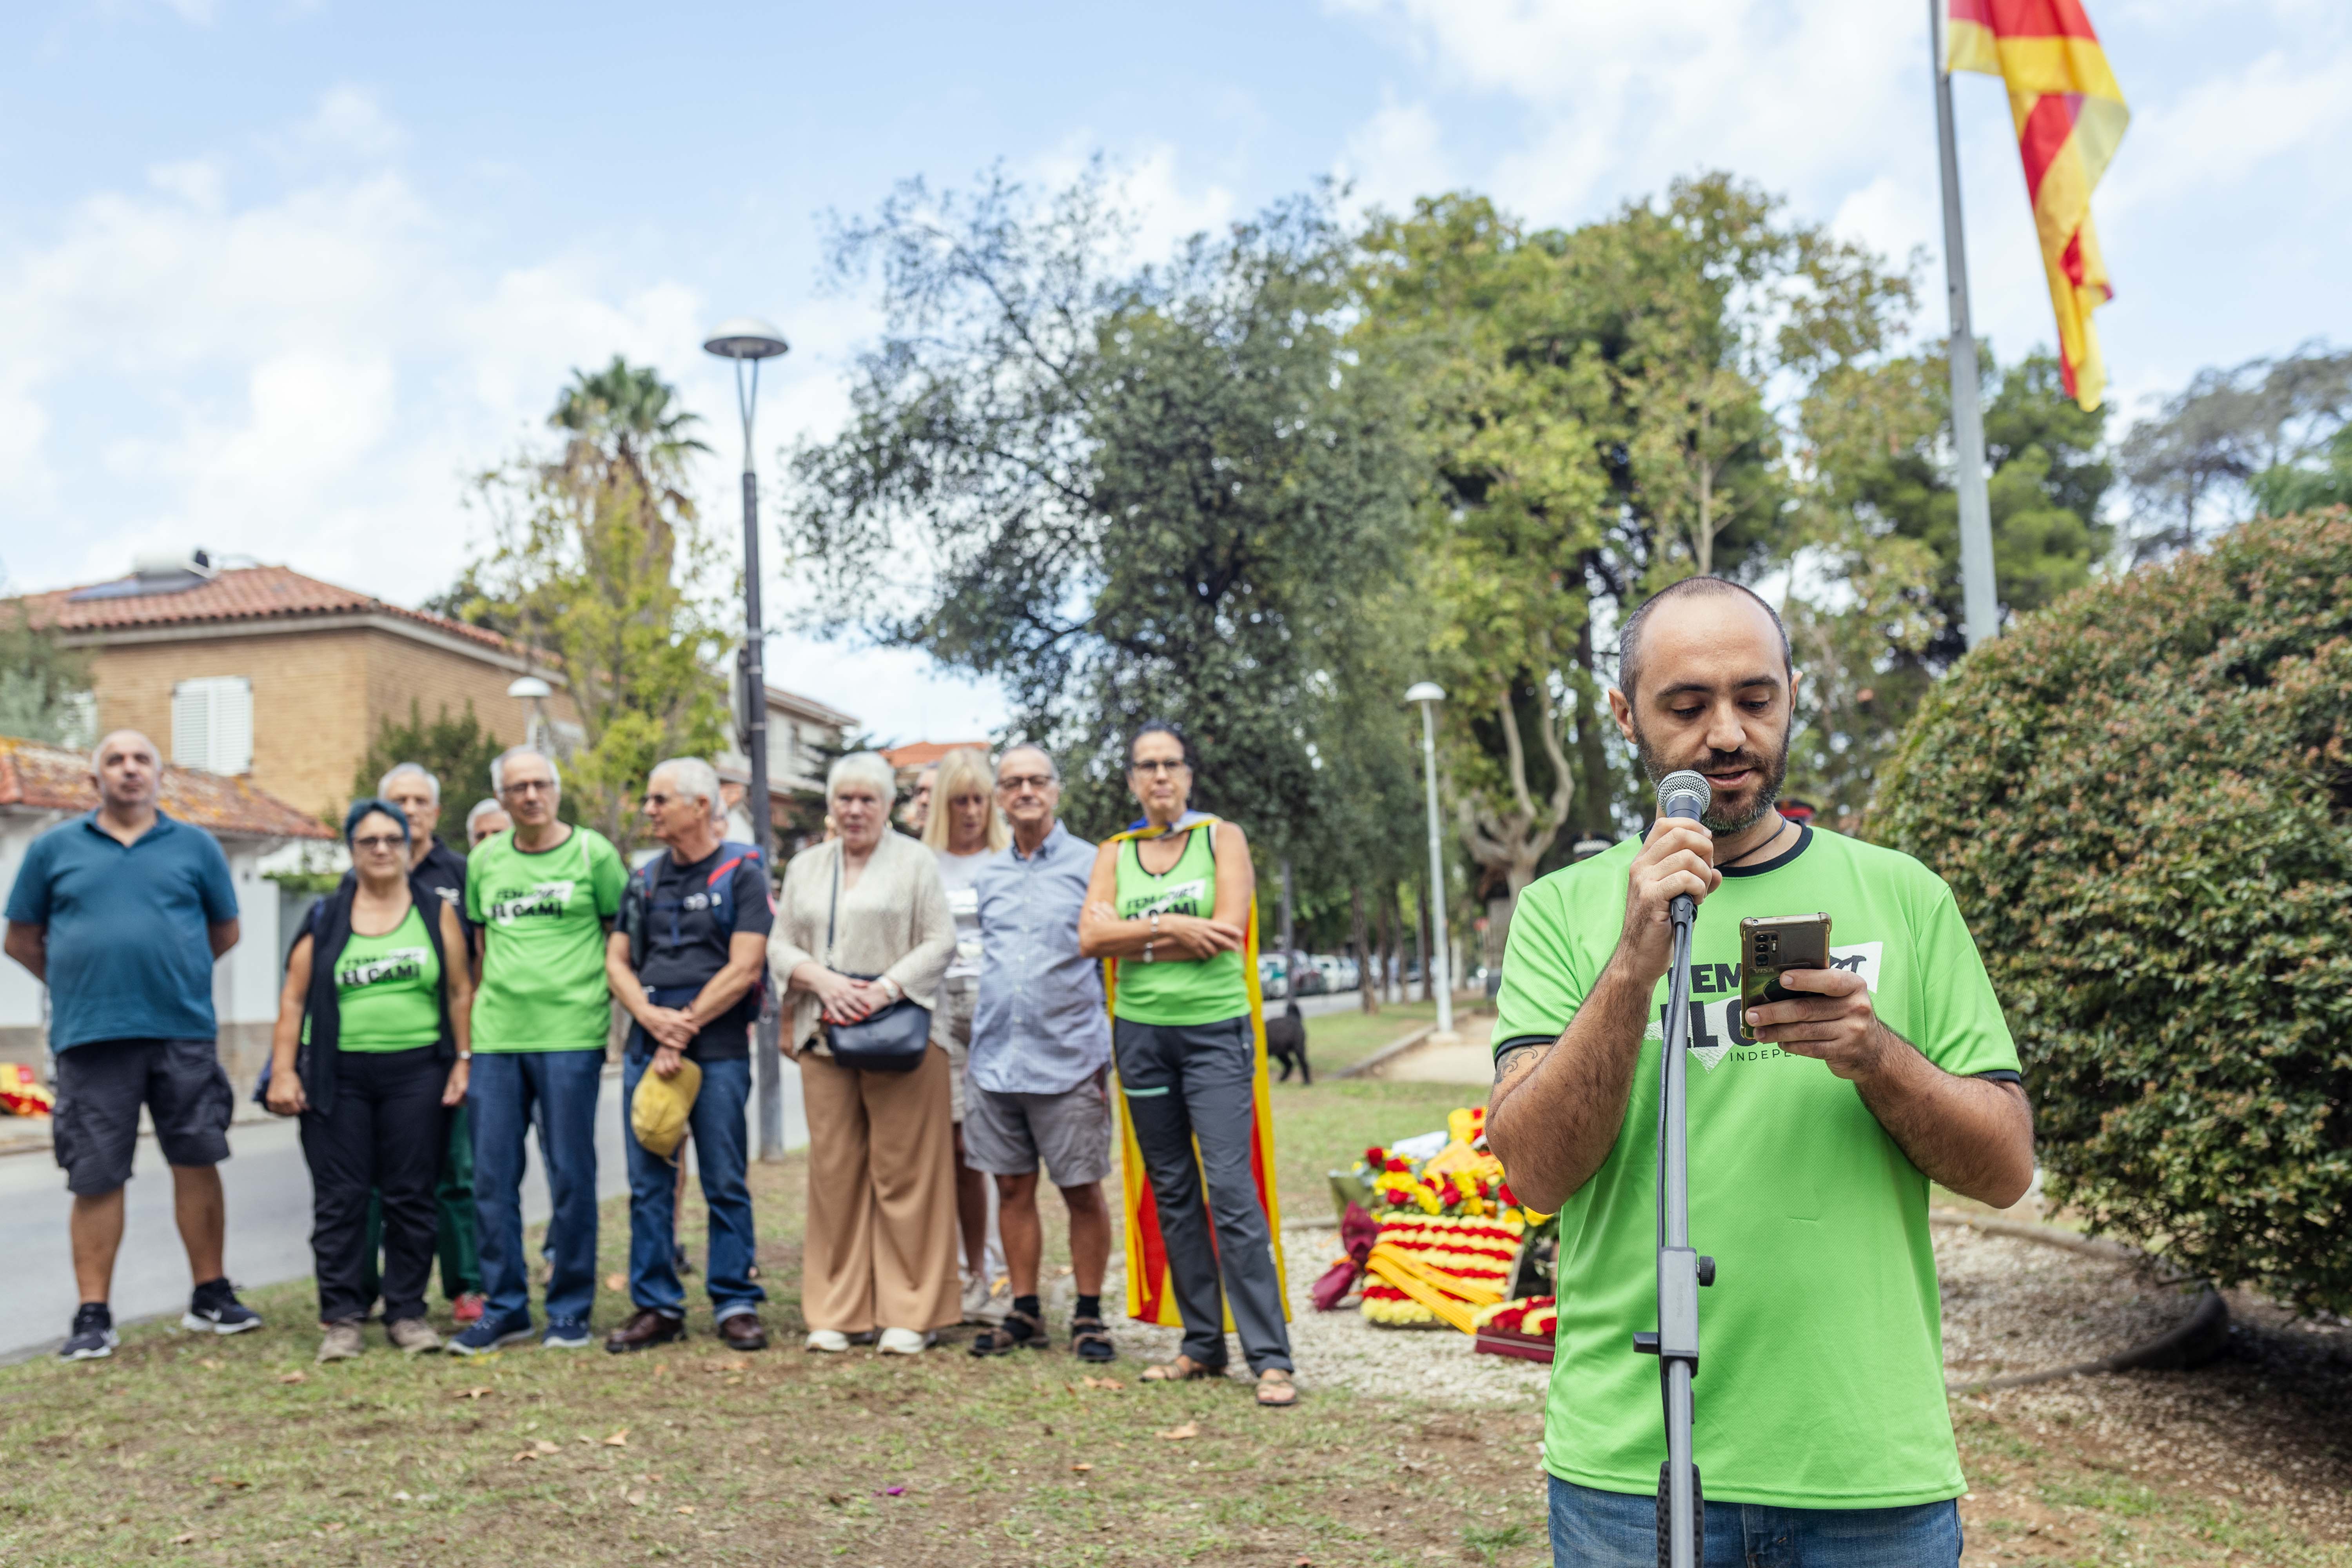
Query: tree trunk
x,y
1367,995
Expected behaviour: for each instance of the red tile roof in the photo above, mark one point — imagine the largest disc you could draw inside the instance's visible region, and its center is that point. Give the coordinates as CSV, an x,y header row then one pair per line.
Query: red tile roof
x,y
39,777
923,754
235,593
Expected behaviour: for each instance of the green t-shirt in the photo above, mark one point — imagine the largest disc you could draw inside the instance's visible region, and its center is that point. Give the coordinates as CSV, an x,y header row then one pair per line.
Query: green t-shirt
x,y
1821,1378
1176,991
542,917
388,988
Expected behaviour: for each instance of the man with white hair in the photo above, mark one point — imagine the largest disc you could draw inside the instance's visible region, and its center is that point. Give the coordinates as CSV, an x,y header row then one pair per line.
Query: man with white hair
x,y
412,787
544,894
687,962
488,818
121,912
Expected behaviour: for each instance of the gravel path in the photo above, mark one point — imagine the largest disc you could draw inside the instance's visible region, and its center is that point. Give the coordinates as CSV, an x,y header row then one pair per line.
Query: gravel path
x,y
2010,1305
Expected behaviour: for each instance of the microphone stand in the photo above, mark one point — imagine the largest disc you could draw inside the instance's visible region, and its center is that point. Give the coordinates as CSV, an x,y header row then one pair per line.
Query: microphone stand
x,y
1681,1271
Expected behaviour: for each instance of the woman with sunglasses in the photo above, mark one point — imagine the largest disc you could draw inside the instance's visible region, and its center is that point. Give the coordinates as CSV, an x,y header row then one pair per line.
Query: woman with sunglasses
x,y
371,1051
1170,904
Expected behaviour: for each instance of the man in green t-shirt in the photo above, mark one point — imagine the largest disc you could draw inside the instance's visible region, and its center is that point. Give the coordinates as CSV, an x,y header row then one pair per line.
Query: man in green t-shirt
x,y
1815,1126
543,897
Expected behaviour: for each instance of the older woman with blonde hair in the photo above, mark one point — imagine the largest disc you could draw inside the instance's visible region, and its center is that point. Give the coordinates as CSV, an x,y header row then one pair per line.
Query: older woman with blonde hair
x,y
861,939
963,830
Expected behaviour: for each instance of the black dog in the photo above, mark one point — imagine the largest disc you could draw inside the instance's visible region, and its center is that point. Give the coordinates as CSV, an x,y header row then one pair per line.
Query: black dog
x,y
1285,1042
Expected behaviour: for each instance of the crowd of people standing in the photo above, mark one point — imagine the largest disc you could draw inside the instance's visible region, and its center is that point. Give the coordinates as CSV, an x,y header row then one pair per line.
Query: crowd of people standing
x,y
941,993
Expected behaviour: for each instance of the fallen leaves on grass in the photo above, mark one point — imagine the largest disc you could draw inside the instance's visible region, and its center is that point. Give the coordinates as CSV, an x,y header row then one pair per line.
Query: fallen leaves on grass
x,y
184,1540
232,1485
616,1282
1081,1469
686,1507
1178,1434
209,1364
619,1439
294,1377
472,1393
1111,1383
836,1499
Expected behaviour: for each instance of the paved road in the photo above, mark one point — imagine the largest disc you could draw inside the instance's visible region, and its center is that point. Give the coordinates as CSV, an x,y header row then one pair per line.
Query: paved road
x,y
269,1192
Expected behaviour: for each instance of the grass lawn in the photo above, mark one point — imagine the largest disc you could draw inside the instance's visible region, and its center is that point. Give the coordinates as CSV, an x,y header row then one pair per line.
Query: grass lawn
x,y
181,1450
1342,1039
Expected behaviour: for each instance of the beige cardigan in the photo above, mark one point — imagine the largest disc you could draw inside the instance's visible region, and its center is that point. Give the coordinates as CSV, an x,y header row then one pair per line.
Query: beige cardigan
x,y
895,921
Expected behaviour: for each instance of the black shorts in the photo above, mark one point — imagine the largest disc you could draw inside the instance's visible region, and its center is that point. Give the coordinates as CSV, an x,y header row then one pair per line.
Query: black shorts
x,y
101,1086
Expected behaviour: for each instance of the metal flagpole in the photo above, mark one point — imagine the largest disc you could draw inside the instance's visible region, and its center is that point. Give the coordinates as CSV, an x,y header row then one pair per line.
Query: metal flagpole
x,y
1978,594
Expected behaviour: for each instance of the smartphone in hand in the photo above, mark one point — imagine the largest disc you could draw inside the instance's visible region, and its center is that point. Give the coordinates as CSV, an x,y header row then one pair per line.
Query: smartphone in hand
x,y
1771,943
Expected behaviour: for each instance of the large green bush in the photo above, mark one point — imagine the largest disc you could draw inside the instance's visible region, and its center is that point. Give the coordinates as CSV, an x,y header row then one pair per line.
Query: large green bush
x,y
2142,798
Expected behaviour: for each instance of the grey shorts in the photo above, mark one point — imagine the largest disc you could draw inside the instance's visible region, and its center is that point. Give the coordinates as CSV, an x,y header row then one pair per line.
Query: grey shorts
x,y
102,1084
951,1032
1007,1134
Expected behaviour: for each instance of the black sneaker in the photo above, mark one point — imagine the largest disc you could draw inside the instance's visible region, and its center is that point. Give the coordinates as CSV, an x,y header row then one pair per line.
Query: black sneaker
x,y
215,1309
93,1337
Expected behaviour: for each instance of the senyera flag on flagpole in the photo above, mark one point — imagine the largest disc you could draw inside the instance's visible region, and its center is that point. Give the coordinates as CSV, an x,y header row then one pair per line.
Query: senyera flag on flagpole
x,y
1148,1298
2070,115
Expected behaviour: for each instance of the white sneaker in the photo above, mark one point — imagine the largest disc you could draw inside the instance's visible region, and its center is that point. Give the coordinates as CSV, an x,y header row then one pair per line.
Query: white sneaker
x,y
904,1342
830,1342
979,1304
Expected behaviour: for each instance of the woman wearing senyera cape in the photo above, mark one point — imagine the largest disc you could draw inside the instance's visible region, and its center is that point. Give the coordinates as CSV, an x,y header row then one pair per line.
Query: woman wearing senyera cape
x,y
1171,912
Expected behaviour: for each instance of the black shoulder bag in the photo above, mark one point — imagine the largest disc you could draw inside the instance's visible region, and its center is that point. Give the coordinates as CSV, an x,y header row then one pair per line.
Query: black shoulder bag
x,y
893,1039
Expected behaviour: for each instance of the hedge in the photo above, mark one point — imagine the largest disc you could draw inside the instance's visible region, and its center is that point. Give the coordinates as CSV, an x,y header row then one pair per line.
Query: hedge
x,y
2142,797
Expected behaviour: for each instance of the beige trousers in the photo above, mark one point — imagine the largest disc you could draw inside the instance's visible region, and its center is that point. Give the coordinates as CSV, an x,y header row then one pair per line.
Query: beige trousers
x,y
880,1252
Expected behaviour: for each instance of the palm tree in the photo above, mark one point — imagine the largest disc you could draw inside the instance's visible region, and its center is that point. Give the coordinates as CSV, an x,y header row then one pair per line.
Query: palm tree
x,y
629,446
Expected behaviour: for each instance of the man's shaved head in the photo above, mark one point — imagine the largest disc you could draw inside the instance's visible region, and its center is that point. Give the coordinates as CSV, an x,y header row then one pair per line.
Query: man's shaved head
x,y
1629,636
121,738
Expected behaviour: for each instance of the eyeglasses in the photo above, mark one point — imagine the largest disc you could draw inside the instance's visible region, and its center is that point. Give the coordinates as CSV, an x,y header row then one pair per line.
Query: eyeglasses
x,y
656,799
379,841
1018,782
1157,766
528,786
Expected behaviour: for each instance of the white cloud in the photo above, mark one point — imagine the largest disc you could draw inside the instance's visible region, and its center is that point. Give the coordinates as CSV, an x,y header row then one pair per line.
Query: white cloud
x,y
1396,155
349,121
2220,130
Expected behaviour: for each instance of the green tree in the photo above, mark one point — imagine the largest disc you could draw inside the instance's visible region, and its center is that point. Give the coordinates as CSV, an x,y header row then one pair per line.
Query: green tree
x,y
44,691
1881,615
2231,443
600,576
1594,412
453,748
1162,493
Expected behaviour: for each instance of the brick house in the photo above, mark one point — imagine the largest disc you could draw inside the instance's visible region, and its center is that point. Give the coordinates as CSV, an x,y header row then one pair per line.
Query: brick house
x,y
263,673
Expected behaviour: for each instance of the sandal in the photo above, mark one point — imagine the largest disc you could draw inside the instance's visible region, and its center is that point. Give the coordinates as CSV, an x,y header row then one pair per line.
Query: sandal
x,y
1275,1391
1090,1341
999,1340
1184,1369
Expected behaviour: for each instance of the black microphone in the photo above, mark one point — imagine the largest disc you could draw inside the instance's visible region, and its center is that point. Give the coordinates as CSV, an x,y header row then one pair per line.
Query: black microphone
x,y
1683,794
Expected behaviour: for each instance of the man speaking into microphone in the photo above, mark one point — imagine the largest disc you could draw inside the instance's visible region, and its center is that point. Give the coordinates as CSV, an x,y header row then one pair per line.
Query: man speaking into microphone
x,y
1822,1434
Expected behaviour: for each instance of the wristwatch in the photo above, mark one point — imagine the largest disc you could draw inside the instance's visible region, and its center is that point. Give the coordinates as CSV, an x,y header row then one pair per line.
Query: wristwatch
x,y
465,1056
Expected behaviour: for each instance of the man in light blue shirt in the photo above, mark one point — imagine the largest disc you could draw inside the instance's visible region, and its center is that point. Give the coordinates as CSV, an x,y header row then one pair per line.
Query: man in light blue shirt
x,y
1040,1052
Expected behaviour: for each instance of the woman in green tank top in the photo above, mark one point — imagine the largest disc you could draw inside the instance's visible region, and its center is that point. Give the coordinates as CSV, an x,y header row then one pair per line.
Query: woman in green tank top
x,y
372,1052
1172,907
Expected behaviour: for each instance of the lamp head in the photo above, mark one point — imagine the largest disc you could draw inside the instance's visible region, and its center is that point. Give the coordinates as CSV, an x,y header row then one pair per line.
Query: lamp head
x,y
530,688
1424,691
745,337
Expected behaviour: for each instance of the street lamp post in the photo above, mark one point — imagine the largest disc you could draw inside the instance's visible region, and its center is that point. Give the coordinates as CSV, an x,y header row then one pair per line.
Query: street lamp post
x,y
746,339
1429,694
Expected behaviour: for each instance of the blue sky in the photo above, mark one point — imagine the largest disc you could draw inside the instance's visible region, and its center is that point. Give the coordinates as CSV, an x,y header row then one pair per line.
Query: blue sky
x,y
275,275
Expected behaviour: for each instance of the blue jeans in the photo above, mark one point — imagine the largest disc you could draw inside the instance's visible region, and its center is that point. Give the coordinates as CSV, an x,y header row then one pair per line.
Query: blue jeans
x,y
506,1090
1615,1530
714,1127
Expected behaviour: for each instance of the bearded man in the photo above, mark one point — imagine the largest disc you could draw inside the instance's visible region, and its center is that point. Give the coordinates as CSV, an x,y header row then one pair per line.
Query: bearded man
x,y
1815,1125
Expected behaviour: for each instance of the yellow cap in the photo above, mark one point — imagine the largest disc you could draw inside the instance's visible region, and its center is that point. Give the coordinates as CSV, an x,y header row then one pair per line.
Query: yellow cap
x,y
657,1110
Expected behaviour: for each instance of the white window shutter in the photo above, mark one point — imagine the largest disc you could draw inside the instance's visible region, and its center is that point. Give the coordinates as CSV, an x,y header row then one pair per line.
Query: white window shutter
x,y
192,724
211,724
232,725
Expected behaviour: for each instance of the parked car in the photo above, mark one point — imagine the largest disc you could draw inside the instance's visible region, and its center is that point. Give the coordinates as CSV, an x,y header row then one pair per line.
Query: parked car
x,y
1339,973
1306,977
1273,977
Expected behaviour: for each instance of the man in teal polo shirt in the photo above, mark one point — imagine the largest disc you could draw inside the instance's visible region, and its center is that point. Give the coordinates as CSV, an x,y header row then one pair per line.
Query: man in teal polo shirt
x,y
121,912
1822,1433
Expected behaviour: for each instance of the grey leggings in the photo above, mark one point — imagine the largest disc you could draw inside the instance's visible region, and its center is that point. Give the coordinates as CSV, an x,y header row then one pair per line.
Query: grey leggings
x,y
1184,1083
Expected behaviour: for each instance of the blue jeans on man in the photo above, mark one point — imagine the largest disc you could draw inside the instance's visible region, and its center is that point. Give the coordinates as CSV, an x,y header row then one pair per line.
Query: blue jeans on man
x,y
510,1091
715,1130
1591,1529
